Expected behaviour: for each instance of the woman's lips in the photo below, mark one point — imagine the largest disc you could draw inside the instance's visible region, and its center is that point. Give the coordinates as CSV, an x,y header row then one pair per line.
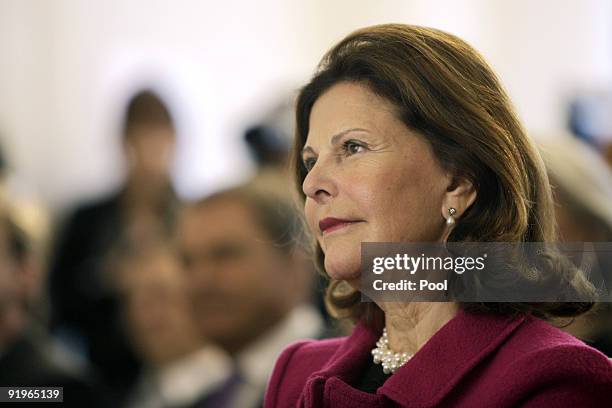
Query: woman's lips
x,y
330,224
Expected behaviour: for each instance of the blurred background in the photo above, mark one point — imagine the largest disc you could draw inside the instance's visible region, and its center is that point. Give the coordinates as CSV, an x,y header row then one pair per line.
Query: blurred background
x,y
125,123
67,67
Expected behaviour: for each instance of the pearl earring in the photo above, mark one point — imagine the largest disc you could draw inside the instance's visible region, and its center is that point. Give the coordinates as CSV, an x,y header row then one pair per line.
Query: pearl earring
x,y
451,220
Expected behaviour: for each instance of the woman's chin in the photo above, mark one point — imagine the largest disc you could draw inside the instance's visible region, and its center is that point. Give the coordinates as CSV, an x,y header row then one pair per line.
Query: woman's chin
x,y
343,269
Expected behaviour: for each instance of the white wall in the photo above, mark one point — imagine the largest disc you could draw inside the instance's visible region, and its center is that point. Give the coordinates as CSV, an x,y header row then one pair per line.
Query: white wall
x,y
66,65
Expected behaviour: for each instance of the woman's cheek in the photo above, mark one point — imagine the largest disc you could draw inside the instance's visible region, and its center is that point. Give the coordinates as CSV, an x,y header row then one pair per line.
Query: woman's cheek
x,y
310,216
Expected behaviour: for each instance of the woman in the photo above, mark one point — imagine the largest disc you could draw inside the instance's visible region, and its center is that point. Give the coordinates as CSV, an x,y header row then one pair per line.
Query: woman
x,y
405,135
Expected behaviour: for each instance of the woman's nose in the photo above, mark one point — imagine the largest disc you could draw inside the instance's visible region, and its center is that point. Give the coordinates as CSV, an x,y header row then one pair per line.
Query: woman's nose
x,y
319,184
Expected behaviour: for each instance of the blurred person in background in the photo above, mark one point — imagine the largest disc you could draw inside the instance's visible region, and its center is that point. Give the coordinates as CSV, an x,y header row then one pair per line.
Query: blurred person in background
x,y
26,355
590,119
84,305
250,285
582,189
28,211
582,185
179,366
269,142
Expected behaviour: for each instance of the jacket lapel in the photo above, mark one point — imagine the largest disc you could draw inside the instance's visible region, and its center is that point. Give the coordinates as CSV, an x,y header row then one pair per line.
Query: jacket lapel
x,y
447,357
425,379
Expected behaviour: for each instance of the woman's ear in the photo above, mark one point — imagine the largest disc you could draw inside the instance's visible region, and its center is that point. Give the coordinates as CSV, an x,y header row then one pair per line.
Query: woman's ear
x,y
460,195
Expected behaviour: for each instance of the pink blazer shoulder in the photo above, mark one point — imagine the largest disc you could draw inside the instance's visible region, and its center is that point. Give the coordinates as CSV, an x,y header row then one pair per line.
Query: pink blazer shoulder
x,y
293,367
473,361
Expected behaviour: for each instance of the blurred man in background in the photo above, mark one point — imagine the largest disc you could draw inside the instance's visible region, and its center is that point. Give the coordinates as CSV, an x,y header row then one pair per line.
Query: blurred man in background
x,y
85,310
179,366
250,285
26,354
269,140
582,187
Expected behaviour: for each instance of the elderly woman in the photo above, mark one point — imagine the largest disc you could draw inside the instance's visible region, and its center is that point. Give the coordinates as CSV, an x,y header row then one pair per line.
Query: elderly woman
x,y
405,135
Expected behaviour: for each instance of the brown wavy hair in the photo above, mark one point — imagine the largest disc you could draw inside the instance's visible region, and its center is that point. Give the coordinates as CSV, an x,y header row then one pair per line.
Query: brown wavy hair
x,y
444,90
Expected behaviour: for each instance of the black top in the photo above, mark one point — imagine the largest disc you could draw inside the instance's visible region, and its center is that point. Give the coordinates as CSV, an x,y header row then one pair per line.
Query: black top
x,y
372,378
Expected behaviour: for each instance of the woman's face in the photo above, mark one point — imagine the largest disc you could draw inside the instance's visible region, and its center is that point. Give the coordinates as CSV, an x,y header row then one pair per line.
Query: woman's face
x,y
371,179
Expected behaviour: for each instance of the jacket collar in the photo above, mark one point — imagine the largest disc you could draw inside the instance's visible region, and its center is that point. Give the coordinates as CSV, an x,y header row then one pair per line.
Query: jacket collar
x,y
434,370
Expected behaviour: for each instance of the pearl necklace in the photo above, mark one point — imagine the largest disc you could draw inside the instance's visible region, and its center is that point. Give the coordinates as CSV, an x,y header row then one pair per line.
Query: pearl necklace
x,y
382,354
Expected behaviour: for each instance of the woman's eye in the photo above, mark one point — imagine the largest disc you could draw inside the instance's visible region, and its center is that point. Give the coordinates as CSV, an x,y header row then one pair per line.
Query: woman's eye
x,y
309,163
352,147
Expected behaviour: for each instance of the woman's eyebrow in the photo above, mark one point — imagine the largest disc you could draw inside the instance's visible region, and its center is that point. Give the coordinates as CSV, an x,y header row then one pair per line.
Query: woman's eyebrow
x,y
307,149
334,139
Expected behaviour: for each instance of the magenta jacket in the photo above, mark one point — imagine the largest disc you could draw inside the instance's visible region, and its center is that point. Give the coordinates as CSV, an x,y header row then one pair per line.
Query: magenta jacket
x,y
475,360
